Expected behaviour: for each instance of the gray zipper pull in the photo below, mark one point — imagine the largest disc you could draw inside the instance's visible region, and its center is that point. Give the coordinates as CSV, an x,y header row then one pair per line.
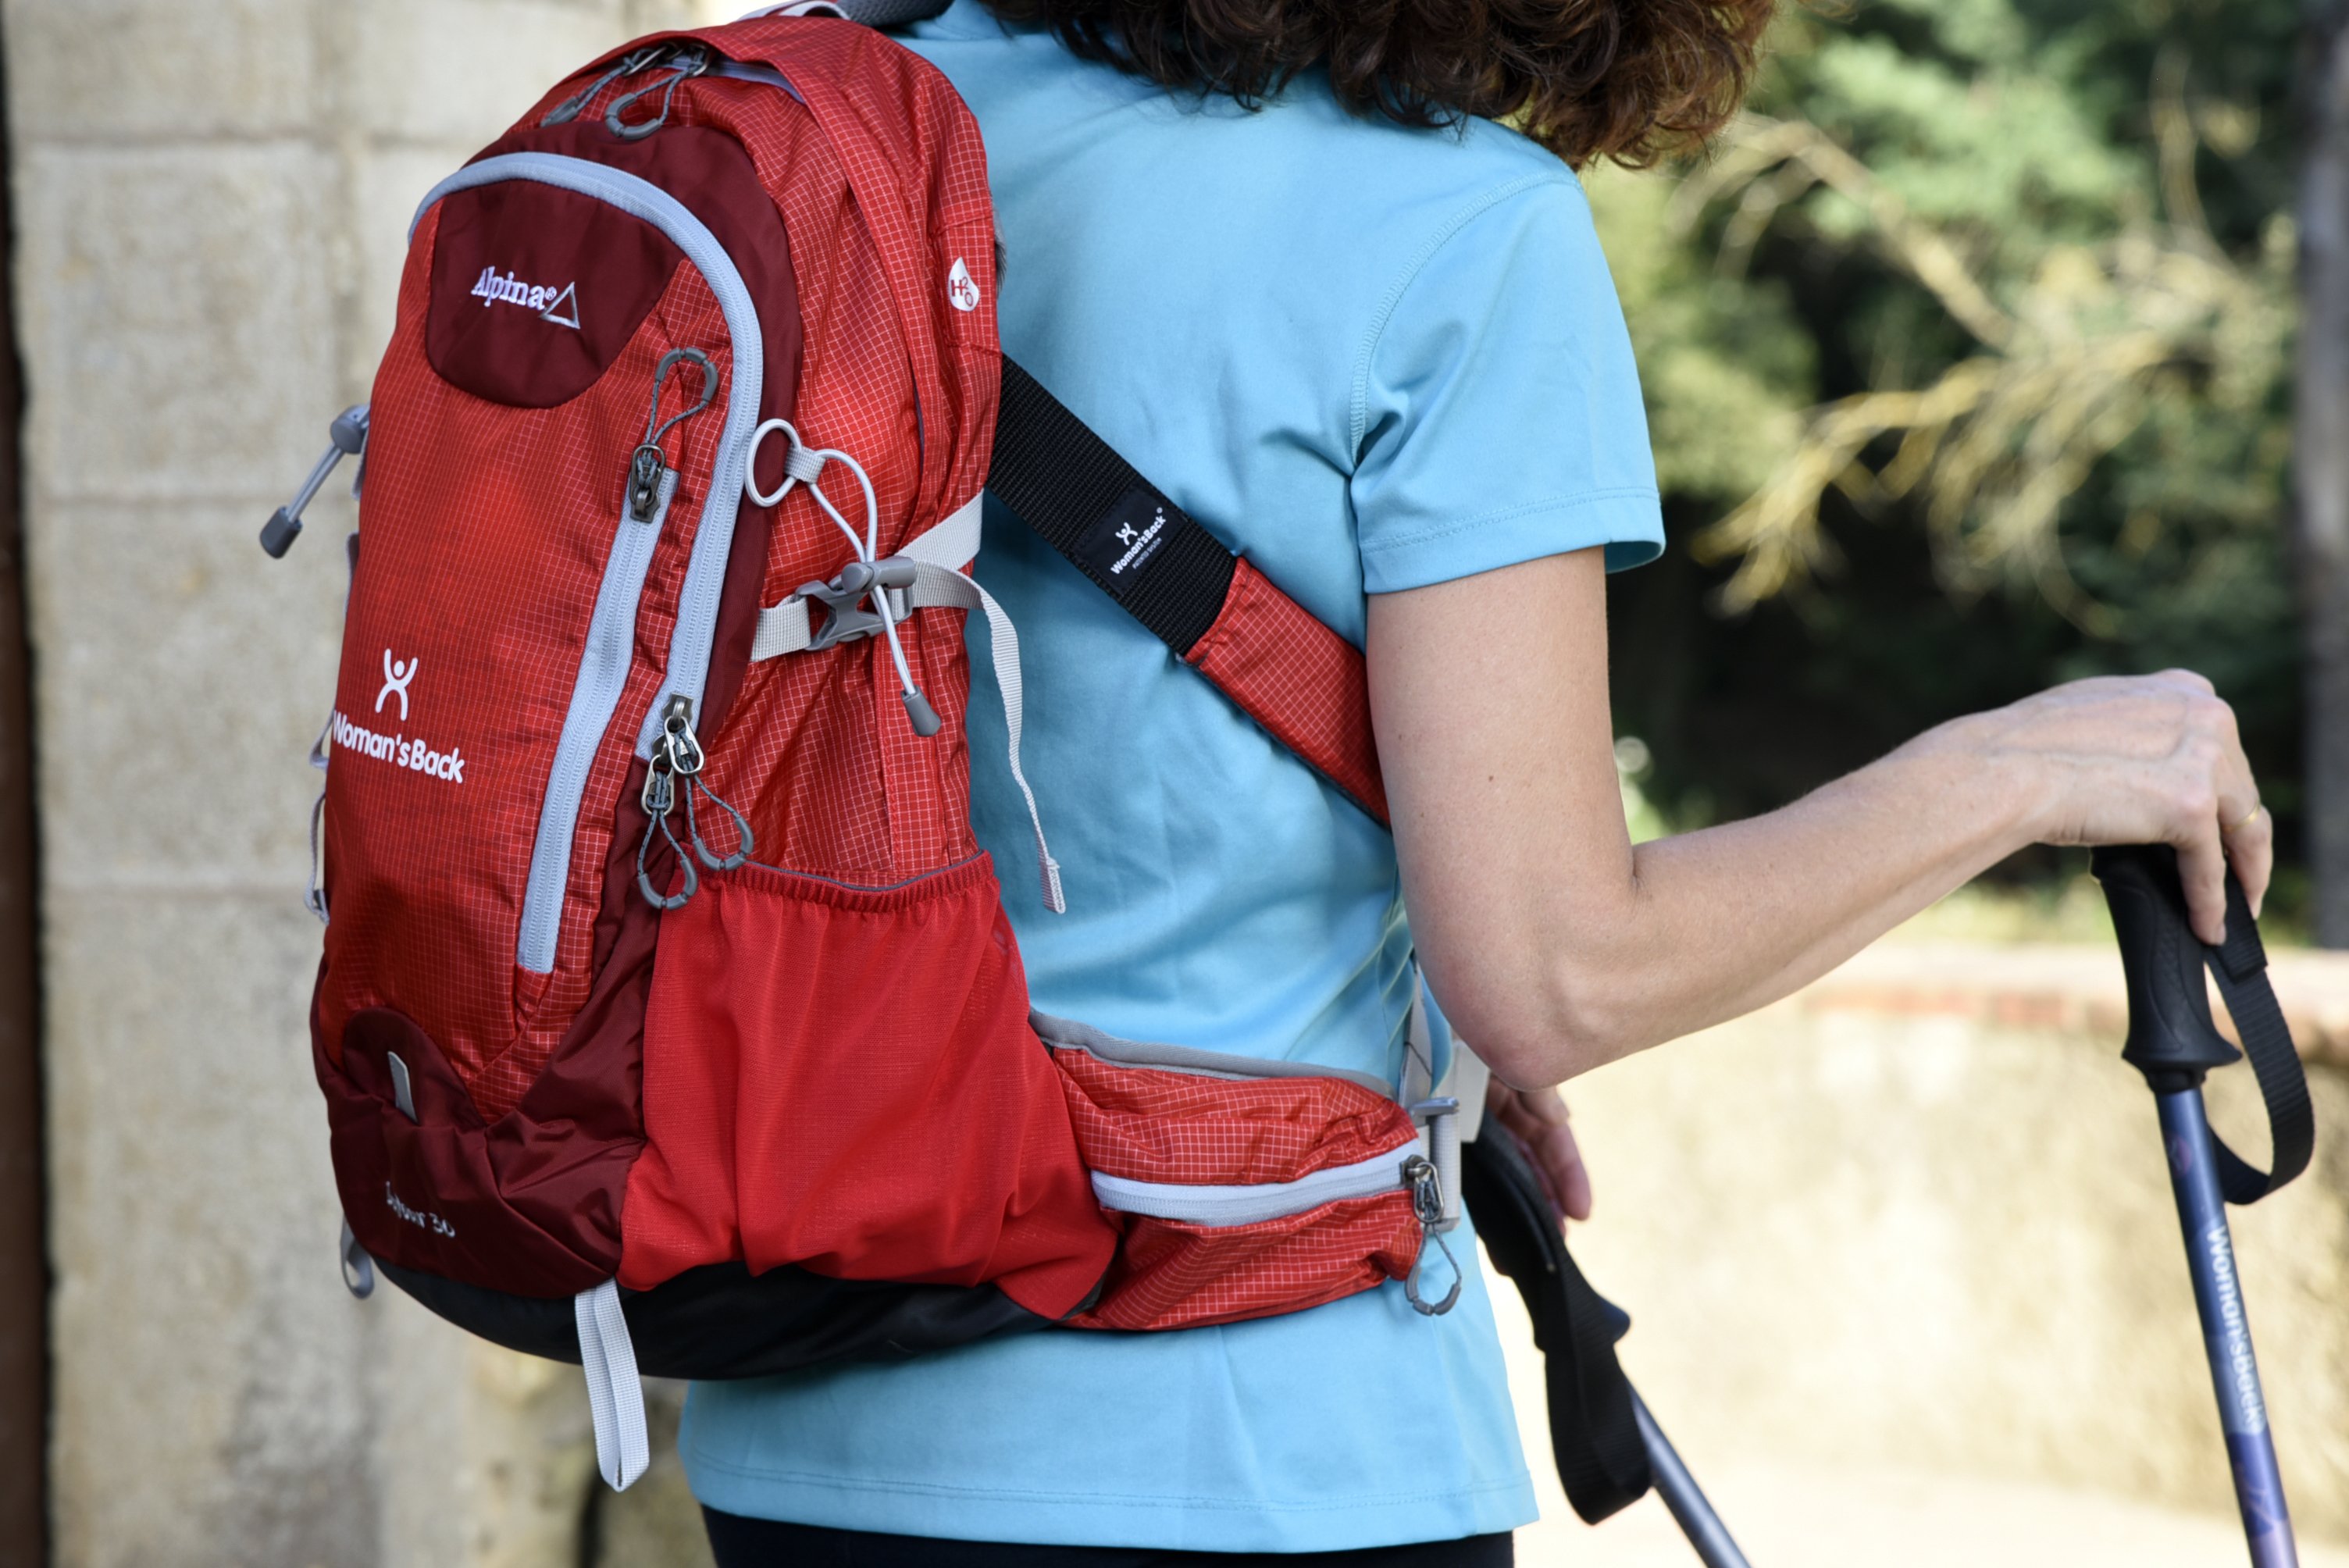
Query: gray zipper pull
x,y
650,463
659,799
348,435
644,473
673,774
678,740
1419,1175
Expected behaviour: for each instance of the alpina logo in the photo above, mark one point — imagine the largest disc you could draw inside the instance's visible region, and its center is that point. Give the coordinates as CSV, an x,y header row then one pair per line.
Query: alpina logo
x,y
962,289
560,306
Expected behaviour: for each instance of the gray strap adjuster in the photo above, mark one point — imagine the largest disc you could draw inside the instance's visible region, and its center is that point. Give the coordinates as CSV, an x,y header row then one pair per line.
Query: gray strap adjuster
x,y
1440,1118
845,620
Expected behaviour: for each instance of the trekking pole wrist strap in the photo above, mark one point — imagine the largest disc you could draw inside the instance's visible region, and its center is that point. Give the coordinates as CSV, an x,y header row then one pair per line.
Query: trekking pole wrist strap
x,y
2172,1038
2240,968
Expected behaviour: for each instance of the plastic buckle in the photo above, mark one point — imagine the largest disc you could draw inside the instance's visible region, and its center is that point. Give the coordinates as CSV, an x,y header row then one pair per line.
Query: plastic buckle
x,y
844,596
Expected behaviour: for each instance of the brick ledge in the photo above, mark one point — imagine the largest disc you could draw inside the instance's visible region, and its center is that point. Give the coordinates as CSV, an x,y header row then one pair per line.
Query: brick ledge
x,y
2075,989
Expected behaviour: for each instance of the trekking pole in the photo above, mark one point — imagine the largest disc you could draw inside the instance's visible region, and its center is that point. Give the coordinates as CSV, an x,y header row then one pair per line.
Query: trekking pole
x,y
1691,1508
2173,1042
1608,1450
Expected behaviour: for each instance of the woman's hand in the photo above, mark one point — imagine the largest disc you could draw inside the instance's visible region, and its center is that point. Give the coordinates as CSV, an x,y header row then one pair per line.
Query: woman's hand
x,y
1538,1118
2145,760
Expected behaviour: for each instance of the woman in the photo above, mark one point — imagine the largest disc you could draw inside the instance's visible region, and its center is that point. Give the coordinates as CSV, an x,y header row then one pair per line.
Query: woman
x,y
1282,254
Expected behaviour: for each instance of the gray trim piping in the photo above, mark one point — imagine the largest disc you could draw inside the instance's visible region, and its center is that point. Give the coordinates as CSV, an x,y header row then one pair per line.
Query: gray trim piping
x,y
604,667
713,538
1068,1035
752,71
1252,1204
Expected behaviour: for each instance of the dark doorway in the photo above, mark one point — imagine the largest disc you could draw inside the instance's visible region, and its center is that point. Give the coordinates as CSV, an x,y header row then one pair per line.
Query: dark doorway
x,y
24,1258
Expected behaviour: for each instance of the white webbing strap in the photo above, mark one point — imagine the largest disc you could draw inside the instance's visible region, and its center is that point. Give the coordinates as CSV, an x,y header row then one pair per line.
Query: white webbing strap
x,y
937,584
1442,1143
784,628
616,1399
938,555
1418,1047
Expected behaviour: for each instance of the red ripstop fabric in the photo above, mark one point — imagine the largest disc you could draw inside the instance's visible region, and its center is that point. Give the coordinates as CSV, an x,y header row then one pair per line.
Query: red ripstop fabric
x,y
1298,678
824,1058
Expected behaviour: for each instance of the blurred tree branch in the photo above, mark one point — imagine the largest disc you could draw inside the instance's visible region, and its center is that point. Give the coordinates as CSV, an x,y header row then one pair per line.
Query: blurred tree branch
x,y
2095,337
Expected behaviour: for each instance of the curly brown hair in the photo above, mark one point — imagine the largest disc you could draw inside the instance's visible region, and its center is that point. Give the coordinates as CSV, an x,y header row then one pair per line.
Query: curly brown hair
x,y
1633,80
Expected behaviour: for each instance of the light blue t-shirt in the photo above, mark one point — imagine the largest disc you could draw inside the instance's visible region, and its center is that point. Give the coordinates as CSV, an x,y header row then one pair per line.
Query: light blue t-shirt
x,y
1370,358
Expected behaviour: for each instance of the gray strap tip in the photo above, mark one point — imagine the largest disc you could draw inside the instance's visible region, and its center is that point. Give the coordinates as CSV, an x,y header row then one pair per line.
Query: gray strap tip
x,y
278,535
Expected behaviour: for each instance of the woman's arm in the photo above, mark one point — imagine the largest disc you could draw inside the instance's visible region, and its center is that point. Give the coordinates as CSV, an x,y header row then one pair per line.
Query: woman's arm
x,y
1555,945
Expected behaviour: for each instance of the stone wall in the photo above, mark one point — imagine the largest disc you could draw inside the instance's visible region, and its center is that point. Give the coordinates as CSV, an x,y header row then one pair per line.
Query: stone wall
x,y
1919,1217
211,204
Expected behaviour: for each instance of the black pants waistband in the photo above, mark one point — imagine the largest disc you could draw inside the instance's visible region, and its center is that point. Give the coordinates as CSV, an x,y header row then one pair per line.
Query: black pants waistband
x,y
740,1543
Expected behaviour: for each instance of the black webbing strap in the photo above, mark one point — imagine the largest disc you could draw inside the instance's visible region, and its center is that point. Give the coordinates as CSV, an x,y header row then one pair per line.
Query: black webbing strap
x,y
1601,1458
1092,506
2240,969
887,12
2172,1038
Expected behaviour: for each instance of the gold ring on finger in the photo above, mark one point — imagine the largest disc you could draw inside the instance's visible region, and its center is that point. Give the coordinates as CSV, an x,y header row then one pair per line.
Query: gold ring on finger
x,y
2249,818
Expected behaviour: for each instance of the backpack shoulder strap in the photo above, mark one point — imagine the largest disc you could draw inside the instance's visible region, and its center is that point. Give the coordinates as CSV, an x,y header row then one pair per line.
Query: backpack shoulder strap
x,y
1301,681
1306,685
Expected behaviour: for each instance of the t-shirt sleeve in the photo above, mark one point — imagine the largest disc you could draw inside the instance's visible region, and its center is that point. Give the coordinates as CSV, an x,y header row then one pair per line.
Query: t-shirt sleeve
x,y
1499,406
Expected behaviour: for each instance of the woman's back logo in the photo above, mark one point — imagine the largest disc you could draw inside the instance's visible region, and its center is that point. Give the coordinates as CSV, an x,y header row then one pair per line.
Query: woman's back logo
x,y
395,676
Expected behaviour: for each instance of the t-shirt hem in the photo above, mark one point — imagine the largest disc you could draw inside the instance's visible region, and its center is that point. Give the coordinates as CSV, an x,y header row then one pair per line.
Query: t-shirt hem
x,y
1628,522
1335,1523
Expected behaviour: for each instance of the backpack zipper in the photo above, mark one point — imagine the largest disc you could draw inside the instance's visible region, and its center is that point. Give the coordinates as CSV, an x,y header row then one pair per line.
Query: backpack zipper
x,y
1254,1203
596,693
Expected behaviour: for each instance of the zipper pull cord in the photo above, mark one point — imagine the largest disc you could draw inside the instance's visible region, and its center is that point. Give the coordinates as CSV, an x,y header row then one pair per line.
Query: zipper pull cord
x,y
571,107
687,761
801,465
1427,1204
683,70
677,759
660,801
741,854
650,460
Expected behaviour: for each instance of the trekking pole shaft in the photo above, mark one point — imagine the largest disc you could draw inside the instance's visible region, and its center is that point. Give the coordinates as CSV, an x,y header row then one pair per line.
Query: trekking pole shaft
x,y
2226,1331
1691,1508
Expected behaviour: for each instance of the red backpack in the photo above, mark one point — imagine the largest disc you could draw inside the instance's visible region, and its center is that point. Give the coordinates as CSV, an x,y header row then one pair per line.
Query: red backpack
x,y
668,1017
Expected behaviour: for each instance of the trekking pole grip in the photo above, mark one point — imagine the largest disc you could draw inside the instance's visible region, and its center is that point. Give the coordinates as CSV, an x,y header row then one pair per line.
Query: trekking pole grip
x,y
2172,1040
